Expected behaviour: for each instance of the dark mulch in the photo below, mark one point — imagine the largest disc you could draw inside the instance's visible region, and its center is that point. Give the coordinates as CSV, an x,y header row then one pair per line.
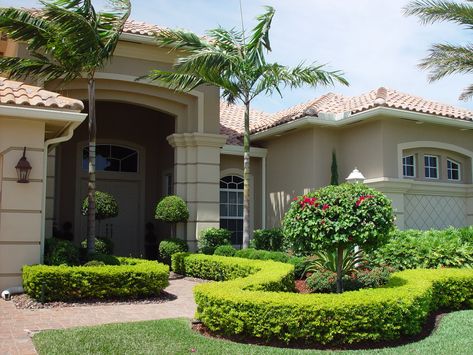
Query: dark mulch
x,y
430,325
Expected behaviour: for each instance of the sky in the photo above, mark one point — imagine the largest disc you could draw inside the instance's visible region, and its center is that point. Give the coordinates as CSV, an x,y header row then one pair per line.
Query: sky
x,y
370,41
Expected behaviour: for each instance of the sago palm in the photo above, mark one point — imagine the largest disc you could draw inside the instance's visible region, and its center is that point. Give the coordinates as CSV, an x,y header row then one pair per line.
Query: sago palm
x,y
66,39
236,63
445,59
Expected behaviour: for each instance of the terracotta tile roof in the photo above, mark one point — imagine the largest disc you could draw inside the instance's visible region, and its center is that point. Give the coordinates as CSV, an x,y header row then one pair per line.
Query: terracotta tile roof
x,y
141,28
18,93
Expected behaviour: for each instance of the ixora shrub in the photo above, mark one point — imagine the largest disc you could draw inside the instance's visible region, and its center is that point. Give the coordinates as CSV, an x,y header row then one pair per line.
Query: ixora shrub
x,y
212,238
335,218
105,206
268,239
169,247
132,278
256,305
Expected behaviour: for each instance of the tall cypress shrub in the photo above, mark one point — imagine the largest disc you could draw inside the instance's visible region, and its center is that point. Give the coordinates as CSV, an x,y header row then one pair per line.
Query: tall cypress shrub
x,y
334,170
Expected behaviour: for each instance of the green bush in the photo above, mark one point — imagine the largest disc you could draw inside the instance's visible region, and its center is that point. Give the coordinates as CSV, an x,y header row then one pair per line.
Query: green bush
x,y
268,239
300,265
322,281
94,263
413,249
172,209
243,305
211,238
225,250
59,252
170,246
177,262
105,206
104,258
102,245
132,278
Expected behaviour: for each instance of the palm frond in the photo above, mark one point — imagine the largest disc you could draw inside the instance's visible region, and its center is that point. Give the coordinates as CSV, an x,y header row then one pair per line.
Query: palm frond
x,y
430,11
176,81
259,39
209,60
180,39
447,59
230,41
467,94
21,68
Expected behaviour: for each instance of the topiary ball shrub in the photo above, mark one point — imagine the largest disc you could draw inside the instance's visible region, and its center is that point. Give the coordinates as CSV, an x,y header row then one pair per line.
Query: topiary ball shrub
x,y
169,247
60,252
172,209
225,250
105,206
102,245
211,238
268,239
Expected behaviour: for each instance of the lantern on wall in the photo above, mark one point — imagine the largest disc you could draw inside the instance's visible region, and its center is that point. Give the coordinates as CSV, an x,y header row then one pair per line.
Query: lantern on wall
x,y
355,177
23,169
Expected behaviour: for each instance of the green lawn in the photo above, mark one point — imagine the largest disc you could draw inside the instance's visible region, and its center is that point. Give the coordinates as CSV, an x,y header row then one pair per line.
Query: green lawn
x,y
174,336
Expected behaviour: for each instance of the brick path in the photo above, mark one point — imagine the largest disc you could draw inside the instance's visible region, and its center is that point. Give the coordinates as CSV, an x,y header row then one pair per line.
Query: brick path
x,y
16,325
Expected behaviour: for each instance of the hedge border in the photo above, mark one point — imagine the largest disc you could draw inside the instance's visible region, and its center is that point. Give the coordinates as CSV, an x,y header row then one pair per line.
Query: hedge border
x,y
133,278
252,303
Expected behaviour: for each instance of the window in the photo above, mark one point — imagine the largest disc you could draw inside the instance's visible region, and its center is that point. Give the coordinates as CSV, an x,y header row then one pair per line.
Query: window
x,y
168,184
431,166
453,170
231,207
408,166
112,158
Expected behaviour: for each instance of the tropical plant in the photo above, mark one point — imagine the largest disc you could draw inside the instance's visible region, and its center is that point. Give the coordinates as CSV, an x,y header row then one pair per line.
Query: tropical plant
x,y
66,39
236,63
334,170
444,58
328,260
172,209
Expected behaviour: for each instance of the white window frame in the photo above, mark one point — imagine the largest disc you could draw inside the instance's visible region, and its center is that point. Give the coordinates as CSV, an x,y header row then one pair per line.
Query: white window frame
x,y
430,167
450,169
413,166
237,204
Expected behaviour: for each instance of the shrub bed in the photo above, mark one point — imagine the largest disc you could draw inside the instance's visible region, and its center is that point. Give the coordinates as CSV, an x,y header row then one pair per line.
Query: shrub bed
x,y
168,247
132,278
248,305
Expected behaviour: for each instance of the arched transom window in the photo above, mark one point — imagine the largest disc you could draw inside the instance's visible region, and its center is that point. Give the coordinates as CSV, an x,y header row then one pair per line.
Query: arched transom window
x,y
231,206
110,157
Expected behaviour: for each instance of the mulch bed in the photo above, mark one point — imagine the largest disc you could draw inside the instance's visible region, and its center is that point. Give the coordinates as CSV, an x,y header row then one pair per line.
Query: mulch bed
x,y
301,286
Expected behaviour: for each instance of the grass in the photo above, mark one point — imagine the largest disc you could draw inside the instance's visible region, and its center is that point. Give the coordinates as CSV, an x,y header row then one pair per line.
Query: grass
x,y
174,336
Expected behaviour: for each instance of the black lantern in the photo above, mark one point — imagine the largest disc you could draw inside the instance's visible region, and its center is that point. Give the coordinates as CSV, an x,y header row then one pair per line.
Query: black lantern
x,y
23,169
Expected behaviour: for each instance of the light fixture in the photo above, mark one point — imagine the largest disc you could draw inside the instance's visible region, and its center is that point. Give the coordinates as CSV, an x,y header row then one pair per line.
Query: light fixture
x,y
355,176
23,169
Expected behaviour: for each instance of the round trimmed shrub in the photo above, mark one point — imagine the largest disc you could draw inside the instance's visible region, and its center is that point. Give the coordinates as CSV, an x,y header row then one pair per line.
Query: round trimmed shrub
x,y
268,239
169,247
211,238
172,209
105,206
225,250
102,245
59,252
104,258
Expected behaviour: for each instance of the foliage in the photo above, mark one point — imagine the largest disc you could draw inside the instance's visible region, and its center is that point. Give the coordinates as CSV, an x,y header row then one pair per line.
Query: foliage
x,y
445,58
172,209
105,206
58,252
133,278
94,263
169,247
103,245
177,262
268,239
400,308
334,216
334,170
236,63
413,249
329,260
225,250
104,258
299,264
211,238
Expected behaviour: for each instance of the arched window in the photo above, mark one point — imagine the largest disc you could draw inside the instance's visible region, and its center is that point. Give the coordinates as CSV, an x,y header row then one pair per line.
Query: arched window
x,y
111,157
231,206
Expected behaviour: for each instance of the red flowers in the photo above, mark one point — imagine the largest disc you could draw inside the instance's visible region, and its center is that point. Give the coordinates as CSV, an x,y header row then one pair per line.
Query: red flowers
x,y
311,201
362,198
325,207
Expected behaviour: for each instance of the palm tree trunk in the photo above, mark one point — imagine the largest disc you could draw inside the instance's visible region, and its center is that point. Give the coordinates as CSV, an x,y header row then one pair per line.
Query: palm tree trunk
x,y
340,269
246,179
91,184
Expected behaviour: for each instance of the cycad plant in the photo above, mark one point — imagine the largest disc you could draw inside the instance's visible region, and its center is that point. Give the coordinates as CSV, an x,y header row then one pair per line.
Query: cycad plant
x,y
328,260
66,39
235,62
445,59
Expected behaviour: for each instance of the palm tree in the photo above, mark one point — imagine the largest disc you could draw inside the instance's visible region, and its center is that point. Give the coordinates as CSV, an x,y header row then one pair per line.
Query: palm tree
x,y
66,39
446,59
236,63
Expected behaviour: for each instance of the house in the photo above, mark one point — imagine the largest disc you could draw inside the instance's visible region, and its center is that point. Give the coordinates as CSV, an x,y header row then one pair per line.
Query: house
x,y
153,142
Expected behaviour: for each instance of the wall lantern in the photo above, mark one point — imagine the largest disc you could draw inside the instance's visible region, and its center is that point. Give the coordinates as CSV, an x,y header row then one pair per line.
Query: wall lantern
x,y
23,169
355,176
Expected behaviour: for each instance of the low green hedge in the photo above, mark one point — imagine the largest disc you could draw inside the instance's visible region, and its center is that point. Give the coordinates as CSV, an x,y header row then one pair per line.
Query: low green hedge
x,y
132,278
248,305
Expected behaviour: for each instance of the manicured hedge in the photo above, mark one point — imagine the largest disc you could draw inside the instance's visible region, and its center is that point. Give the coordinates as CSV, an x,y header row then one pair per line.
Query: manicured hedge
x,y
245,305
132,278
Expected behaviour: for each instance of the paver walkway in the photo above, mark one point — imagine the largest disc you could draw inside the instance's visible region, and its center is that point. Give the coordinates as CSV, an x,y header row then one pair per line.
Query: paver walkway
x,y
16,325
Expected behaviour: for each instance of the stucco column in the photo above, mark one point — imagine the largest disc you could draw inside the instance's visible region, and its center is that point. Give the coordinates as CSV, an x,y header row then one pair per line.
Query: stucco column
x,y
197,175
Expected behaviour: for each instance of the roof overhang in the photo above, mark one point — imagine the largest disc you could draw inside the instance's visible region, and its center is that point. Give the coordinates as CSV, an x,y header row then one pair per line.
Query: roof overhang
x,y
255,152
327,120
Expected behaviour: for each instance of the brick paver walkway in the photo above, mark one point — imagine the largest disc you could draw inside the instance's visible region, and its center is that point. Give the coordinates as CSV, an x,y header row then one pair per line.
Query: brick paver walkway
x,y
16,325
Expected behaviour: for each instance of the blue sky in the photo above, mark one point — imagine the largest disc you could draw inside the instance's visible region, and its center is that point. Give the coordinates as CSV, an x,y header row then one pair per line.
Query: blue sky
x,y
369,40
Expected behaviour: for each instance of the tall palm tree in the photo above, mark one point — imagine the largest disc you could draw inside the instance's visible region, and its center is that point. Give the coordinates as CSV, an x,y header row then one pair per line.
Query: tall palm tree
x,y
66,39
236,63
445,59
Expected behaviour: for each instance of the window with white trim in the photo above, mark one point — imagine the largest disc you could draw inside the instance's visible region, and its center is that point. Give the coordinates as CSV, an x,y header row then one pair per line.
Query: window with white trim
x,y
453,170
231,206
409,166
110,157
431,166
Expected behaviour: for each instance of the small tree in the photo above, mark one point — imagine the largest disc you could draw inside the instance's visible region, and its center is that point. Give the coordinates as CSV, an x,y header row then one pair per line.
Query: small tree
x,y
105,206
172,209
335,218
334,170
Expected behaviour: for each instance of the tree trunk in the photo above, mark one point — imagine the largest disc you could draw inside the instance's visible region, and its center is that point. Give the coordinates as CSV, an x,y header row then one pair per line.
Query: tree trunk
x,y
246,179
339,269
91,184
